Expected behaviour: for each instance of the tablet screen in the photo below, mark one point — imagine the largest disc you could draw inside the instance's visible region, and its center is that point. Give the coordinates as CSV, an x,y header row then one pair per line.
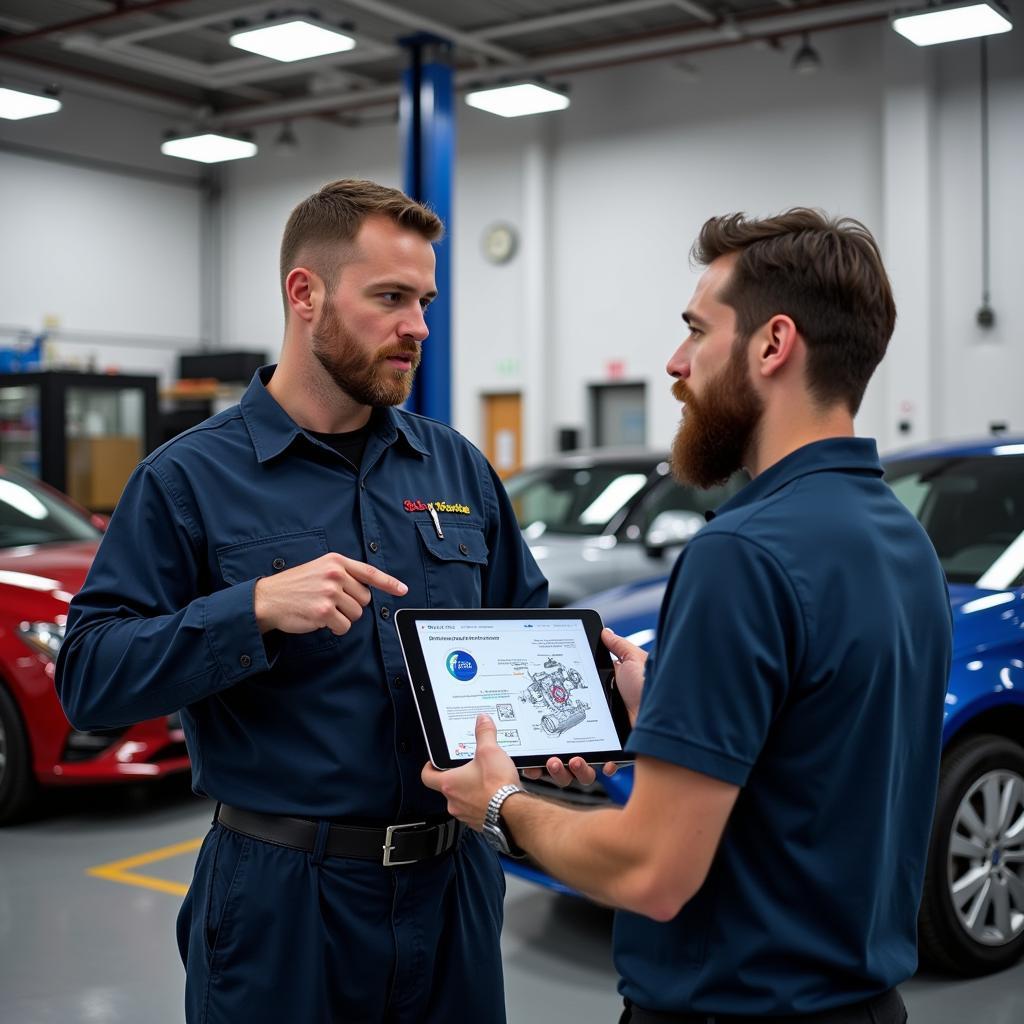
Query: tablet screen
x,y
535,677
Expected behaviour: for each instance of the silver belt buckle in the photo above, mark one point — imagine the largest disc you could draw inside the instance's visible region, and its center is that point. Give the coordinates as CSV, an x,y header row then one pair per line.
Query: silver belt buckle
x,y
389,846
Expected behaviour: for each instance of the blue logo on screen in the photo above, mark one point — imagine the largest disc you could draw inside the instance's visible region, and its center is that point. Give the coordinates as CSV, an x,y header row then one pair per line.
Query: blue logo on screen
x,y
462,665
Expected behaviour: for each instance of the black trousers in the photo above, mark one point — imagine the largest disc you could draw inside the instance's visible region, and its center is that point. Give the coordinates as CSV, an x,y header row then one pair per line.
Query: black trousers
x,y
887,1008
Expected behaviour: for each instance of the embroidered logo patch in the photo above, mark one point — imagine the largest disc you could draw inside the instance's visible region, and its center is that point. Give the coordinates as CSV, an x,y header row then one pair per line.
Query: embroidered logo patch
x,y
439,506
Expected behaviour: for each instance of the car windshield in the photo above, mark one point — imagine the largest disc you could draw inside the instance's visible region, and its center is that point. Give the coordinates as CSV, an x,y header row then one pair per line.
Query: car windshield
x,y
973,510
30,514
581,499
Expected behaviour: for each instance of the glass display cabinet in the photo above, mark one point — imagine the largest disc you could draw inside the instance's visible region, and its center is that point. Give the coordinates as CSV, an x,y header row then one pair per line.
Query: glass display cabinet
x,y
82,433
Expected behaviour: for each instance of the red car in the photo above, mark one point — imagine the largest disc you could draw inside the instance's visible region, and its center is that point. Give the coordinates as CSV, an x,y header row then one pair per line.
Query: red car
x,y
46,546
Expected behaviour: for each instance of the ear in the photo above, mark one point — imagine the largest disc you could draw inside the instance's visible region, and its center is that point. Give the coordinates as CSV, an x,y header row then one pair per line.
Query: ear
x,y
777,343
305,292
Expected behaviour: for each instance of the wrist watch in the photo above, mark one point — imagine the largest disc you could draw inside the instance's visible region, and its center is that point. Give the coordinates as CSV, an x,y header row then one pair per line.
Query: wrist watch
x,y
495,831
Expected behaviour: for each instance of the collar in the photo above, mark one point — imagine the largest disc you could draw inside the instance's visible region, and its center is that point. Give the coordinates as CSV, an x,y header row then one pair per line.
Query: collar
x,y
850,454
272,430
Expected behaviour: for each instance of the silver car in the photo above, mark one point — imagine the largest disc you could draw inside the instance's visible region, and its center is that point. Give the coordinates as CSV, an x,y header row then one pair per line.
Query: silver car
x,y
600,518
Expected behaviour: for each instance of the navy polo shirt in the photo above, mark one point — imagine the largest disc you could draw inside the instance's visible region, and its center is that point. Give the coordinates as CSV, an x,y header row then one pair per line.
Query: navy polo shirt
x,y
803,653
311,725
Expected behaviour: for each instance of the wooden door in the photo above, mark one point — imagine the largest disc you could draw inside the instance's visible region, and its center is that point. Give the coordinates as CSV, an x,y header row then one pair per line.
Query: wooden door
x,y
503,432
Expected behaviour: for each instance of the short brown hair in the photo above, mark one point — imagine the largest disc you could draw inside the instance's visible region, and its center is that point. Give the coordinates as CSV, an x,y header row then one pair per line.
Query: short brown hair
x,y
330,219
826,274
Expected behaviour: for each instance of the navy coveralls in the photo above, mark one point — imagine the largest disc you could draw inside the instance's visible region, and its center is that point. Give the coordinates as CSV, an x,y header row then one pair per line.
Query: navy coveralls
x,y
313,725
804,645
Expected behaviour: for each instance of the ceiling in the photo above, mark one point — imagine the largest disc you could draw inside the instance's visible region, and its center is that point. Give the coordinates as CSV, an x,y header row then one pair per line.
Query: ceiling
x,y
173,55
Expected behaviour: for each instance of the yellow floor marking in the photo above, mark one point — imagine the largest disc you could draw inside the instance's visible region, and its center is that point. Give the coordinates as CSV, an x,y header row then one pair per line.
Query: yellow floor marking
x,y
120,870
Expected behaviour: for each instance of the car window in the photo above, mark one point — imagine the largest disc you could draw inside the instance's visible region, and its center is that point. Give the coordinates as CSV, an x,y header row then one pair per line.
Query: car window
x,y
973,510
576,499
670,495
30,514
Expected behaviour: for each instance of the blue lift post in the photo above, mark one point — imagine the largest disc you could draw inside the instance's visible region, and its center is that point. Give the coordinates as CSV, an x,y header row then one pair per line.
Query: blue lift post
x,y
427,124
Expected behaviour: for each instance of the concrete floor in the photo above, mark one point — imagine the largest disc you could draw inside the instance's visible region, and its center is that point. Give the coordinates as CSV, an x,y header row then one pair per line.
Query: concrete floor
x,y
80,948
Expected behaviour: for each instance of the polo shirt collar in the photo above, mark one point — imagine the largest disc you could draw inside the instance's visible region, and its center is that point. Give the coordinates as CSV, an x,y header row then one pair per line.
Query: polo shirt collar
x,y
272,430
851,454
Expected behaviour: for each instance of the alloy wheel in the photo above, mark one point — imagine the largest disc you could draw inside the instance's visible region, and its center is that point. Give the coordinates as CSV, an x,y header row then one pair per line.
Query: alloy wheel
x,y
986,859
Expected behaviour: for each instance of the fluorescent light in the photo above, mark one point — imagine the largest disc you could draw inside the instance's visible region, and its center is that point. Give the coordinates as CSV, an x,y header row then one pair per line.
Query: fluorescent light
x,y
949,23
15,105
295,39
517,100
209,148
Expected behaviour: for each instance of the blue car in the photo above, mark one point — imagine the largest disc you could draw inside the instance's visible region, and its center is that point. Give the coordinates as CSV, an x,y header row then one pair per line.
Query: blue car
x,y
970,499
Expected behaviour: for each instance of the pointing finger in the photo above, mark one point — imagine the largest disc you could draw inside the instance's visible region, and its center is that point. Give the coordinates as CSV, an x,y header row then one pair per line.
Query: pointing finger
x,y
373,577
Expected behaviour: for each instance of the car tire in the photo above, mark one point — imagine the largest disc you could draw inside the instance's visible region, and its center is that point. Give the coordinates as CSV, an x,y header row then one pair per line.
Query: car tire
x,y
16,782
972,909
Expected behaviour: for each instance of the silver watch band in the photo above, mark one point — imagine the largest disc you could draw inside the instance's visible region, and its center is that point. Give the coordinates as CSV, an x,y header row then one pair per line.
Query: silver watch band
x,y
492,819
494,806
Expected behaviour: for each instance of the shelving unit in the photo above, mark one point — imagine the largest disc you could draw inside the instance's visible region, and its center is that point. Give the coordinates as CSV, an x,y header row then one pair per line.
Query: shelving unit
x,y
82,433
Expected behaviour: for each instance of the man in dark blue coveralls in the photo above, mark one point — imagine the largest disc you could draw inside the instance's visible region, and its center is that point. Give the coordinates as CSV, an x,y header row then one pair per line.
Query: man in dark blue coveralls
x,y
770,859
249,577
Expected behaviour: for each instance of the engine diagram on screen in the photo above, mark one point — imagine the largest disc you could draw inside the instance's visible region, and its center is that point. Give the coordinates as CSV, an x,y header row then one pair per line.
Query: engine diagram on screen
x,y
550,692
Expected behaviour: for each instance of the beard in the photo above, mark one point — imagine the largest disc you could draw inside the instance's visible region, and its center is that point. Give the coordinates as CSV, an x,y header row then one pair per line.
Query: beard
x,y
718,428
365,377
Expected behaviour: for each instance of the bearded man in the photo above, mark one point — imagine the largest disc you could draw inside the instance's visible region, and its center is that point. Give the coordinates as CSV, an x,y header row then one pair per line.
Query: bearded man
x,y
769,862
248,578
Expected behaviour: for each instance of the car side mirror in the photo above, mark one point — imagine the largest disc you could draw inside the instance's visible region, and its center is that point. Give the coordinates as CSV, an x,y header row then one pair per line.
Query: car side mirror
x,y
671,529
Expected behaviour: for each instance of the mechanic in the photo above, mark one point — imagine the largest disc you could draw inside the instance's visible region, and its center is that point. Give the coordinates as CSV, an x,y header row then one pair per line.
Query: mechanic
x,y
769,861
249,577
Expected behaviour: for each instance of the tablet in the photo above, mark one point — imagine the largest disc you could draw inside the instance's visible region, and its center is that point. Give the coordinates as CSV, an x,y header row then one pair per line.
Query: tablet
x,y
543,675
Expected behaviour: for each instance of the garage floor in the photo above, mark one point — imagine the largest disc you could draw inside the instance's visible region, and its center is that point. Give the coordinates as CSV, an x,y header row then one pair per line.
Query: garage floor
x,y
76,947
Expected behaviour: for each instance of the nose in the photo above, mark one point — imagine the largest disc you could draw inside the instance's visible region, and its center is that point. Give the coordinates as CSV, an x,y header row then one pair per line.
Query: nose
x,y
679,363
415,328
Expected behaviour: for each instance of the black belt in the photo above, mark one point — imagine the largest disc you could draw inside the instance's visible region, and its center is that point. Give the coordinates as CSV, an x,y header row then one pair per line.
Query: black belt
x,y
886,1008
390,846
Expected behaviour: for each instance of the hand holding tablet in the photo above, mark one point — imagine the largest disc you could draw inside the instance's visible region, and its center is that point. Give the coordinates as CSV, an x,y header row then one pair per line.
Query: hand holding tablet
x,y
543,675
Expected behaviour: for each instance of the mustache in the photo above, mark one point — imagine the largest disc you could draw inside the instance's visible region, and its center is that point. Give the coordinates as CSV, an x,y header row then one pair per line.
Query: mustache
x,y
400,352
681,391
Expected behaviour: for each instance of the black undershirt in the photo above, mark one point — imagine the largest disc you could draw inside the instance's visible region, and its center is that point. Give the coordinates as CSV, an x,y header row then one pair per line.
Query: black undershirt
x,y
351,444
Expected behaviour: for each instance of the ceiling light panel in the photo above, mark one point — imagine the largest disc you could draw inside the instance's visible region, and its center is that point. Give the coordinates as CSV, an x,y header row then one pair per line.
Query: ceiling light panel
x,y
951,23
209,148
517,100
288,41
16,105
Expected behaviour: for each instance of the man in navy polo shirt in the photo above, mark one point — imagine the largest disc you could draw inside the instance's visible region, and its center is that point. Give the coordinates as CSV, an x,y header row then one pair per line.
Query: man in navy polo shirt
x,y
770,859
249,577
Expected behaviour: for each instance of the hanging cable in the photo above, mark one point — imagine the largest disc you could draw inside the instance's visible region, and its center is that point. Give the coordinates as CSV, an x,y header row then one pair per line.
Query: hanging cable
x,y
986,315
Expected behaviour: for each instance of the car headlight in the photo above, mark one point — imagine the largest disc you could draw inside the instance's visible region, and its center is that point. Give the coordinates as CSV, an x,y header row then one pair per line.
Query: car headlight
x,y
43,637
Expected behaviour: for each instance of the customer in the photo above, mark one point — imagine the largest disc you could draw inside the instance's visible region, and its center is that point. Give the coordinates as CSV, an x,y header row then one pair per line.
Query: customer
x,y
249,577
769,861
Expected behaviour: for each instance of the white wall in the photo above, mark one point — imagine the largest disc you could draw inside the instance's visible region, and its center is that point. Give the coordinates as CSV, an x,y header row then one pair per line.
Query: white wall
x,y
109,254
259,195
637,178
981,372
607,197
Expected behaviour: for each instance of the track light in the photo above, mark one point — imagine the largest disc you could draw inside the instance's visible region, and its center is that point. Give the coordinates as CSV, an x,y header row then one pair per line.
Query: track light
x,y
517,100
951,22
806,60
286,144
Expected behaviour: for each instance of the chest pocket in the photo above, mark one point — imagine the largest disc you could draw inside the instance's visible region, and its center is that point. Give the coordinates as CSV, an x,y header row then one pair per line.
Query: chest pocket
x,y
452,564
267,557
